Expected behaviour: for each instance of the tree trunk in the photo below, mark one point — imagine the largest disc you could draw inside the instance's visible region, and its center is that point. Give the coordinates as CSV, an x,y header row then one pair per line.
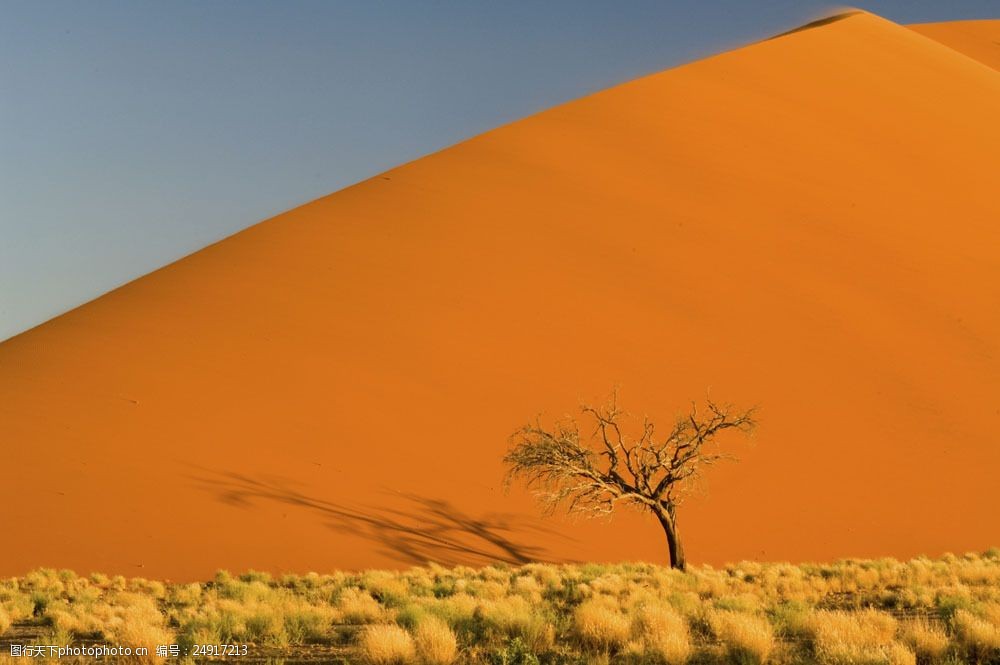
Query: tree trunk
x,y
669,523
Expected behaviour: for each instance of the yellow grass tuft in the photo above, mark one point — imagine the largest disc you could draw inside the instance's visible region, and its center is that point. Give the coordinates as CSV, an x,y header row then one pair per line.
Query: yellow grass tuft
x,y
514,616
927,641
899,654
357,606
856,638
664,634
137,622
600,624
386,644
747,638
991,611
980,637
435,642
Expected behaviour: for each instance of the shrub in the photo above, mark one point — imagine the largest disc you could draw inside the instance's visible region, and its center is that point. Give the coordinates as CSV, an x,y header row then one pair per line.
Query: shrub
x,y
435,642
386,588
139,624
515,652
857,638
457,610
664,634
515,617
198,632
747,638
358,606
927,641
302,623
600,624
951,601
188,594
255,576
265,627
898,654
978,636
792,619
386,644
410,616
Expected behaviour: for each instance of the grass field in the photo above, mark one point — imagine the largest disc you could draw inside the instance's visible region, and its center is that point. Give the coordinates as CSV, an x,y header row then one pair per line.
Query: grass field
x,y
943,610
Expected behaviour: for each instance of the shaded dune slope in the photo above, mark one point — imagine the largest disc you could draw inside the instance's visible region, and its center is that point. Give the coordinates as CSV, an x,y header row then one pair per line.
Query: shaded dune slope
x,y
809,224
979,40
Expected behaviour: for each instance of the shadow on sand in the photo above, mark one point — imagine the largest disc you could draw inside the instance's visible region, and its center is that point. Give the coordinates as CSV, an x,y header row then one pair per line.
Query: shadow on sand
x,y
416,531
818,23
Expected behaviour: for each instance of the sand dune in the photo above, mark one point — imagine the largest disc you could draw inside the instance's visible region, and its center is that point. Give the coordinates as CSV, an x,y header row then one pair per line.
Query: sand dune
x,y
979,40
809,224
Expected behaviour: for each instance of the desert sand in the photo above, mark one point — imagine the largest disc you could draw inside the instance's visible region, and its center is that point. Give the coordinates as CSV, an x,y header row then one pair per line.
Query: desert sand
x,y
979,40
808,224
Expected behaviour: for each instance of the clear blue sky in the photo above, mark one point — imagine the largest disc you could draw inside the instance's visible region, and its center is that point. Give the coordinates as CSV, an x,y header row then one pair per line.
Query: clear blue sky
x,y
133,133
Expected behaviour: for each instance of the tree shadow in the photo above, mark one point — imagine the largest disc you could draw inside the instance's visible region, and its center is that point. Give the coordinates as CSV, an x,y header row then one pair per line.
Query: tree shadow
x,y
424,530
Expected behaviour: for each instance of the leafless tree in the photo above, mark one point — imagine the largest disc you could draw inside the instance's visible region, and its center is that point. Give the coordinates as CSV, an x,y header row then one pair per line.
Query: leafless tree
x,y
591,475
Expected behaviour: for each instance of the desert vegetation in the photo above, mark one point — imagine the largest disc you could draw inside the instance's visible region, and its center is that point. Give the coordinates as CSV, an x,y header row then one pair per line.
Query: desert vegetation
x,y
594,472
923,611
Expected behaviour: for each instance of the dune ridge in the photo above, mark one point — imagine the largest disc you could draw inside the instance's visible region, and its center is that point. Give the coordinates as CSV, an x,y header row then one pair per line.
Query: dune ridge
x,y
807,224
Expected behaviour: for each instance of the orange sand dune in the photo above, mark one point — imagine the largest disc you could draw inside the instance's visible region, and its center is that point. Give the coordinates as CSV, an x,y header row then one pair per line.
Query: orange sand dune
x,y
977,39
810,224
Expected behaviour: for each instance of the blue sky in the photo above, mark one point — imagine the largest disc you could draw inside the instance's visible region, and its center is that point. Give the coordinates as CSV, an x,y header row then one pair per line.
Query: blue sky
x,y
133,133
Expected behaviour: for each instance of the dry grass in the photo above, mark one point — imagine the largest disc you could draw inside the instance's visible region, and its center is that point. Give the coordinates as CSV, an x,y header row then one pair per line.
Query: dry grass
x,y
747,638
139,623
979,635
867,637
386,644
600,624
898,654
664,634
436,643
928,642
358,606
925,611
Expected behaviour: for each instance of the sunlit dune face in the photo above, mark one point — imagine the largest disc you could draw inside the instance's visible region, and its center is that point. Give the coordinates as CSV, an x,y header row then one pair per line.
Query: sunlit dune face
x,y
808,225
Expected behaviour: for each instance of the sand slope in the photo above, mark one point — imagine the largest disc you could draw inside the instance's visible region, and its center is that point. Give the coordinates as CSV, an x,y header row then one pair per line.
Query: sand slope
x,y
809,224
979,40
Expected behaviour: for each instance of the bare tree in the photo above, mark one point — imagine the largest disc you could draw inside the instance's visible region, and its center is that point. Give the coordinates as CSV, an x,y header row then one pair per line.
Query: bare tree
x,y
592,475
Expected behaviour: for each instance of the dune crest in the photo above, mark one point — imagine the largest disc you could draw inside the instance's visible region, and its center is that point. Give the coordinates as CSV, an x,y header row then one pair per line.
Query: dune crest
x,y
808,224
